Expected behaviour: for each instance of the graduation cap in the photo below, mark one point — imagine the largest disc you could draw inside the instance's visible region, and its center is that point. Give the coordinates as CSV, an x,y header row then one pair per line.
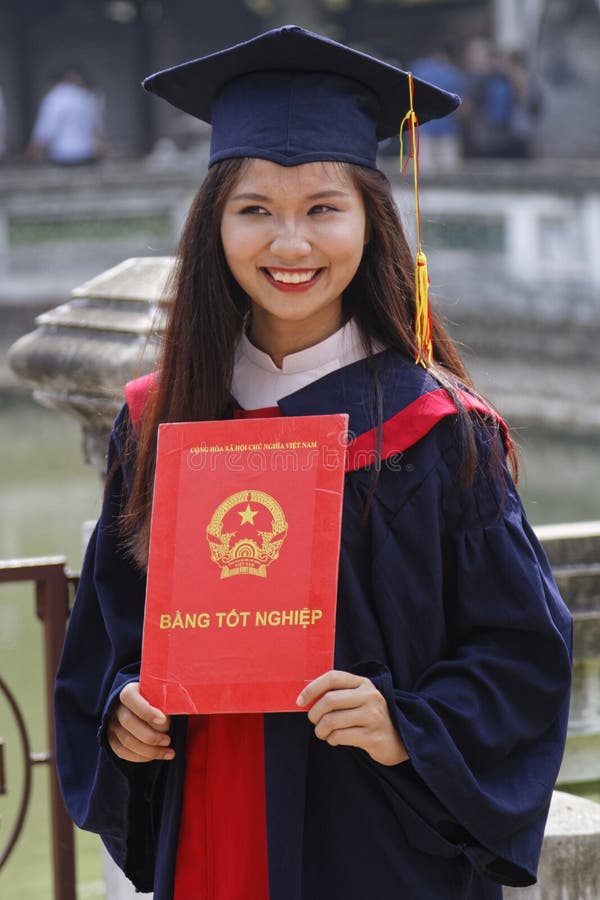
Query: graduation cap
x,y
291,96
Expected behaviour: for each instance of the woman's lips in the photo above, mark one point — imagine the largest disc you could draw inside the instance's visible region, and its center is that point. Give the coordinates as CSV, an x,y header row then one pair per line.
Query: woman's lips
x,y
292,278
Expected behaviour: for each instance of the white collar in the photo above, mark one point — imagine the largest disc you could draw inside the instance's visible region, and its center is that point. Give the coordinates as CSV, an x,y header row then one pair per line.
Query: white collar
x,y
335,347
257,382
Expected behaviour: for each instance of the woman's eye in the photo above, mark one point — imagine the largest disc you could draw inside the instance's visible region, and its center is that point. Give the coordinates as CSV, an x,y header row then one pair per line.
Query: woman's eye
x,y
254,211
321,208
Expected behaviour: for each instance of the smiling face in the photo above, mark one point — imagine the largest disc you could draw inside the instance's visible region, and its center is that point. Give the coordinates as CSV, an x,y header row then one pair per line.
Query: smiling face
x,y
293,239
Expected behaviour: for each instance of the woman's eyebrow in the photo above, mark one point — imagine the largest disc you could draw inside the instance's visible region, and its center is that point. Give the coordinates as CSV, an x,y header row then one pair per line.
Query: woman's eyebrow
x,y
260,197
322,195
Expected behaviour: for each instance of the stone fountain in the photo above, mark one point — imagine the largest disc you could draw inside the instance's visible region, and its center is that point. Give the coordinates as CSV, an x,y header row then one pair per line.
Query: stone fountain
x,y
84,351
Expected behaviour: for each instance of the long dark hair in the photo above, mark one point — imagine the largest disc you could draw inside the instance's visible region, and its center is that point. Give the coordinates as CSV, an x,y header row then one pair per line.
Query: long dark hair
x,y
208,312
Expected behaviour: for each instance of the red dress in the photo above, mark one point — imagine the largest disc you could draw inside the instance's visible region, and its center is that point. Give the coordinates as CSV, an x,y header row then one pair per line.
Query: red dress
x,y
222,848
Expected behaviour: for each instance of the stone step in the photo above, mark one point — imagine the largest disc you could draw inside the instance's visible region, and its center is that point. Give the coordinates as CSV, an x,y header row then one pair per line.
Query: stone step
x,y
579,586
584,723
581,762
572,543
586,635
569,862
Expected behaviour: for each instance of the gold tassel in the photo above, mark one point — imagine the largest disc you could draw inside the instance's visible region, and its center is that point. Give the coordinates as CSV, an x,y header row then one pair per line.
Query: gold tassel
x,y
422,312
423,337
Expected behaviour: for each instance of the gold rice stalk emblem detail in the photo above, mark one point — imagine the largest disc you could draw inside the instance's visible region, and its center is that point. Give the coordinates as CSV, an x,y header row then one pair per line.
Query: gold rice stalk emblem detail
x,y
252,553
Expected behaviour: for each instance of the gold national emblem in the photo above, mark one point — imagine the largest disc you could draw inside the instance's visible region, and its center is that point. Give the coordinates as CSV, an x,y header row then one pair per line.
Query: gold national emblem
x,y
253,550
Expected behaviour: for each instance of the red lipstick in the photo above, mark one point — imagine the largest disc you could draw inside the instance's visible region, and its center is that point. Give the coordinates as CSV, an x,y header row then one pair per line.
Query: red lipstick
x,y
286,286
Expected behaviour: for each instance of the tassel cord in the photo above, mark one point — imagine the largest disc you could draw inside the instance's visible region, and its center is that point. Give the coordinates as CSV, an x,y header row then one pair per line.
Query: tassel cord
x,y
423,335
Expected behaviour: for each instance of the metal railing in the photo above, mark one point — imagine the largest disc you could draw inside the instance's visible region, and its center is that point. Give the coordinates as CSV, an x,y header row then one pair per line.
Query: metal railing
x,y
53,586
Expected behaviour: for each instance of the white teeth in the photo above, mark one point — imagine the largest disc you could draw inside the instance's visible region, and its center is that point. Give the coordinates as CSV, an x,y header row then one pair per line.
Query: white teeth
x,y
292,277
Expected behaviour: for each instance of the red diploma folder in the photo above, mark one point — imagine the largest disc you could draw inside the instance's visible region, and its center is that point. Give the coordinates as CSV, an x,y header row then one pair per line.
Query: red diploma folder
x,y
242,573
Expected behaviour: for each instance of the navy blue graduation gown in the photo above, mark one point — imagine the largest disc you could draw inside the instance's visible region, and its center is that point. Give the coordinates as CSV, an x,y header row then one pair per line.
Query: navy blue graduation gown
x,y
446,601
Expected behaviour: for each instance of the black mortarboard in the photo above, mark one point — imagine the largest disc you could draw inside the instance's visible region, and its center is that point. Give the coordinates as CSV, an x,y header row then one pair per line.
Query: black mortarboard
x,y
291,96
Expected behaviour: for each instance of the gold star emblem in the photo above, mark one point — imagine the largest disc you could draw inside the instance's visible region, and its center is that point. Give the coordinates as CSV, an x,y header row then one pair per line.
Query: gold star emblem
x,y
247,515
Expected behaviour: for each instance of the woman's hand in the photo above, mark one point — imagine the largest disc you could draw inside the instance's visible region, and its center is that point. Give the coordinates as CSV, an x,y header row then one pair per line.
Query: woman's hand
x,y
137,731
349,711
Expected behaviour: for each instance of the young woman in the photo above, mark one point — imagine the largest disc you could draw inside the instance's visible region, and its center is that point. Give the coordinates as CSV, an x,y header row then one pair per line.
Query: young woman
x,y
423,765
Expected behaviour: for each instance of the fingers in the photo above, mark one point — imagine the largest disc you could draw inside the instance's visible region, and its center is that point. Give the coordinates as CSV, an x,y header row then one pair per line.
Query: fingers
x,y
136,730
345,701
332,700
330,681
341,719
348,710
362,707
127,746
131,698
339,690
347,737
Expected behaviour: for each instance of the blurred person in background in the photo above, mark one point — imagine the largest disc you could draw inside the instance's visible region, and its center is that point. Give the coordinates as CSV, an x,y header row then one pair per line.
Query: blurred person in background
x,y
490,101
440,139
69,126
526,107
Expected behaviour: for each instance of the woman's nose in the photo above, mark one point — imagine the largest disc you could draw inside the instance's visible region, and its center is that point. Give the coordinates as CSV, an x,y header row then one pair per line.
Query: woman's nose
x,y
290,242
